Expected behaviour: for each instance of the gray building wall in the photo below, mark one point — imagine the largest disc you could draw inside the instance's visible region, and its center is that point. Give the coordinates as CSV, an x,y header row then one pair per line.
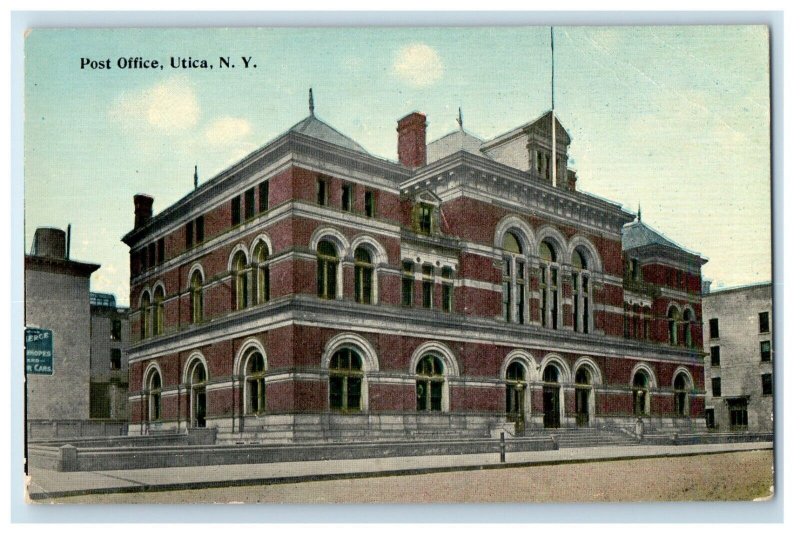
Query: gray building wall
x,y
59,301
740,367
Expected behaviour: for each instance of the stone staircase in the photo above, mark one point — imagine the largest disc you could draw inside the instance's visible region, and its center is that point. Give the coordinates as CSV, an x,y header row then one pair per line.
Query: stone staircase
x,y
571,438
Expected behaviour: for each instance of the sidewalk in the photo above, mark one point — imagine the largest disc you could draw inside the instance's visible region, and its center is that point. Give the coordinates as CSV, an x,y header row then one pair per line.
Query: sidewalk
x,y
46,484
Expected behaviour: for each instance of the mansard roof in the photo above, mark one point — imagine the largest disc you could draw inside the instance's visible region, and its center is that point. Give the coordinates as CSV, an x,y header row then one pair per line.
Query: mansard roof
x,y
452,143
313,127
637,234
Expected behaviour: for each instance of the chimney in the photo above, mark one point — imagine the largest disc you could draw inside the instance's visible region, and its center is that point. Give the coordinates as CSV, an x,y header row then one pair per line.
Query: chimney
x,y
142,209
411,149
49,243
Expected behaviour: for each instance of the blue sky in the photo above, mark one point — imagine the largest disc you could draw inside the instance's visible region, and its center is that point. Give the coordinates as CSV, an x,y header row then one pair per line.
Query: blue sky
x,y
674,118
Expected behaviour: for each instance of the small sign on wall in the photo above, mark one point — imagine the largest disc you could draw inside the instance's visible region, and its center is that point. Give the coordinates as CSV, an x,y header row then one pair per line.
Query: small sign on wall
x,y
38,351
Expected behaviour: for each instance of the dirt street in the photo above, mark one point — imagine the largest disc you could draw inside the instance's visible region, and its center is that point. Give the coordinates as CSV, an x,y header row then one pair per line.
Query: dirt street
x,y
728,476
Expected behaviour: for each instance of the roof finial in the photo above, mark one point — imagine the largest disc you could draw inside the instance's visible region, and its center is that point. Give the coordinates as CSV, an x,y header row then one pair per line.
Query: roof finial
x,y
460,119
639,213
195,177
311,101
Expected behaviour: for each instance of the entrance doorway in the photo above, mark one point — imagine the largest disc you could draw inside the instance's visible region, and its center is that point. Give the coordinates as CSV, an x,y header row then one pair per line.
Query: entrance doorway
x,y
515,396
551,397
198,395
583,392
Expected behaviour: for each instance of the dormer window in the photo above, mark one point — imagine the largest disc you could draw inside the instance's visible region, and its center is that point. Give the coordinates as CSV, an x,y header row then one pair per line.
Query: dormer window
x,y
425,218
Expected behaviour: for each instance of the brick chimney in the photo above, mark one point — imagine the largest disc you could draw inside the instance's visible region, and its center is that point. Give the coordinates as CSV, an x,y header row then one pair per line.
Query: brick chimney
x,y
411,149
142,209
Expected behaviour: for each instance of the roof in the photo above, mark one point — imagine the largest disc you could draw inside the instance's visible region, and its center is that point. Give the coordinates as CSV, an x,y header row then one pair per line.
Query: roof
x,y
520,129
453,142
313,127
106,300
638,234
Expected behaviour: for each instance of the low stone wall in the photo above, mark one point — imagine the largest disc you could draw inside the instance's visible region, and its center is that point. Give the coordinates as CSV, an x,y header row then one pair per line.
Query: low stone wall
x,y
705,438
71,458
44,429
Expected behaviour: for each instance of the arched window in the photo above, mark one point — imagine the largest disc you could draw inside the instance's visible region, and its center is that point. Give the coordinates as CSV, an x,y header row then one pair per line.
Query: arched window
x,y
551,396
153,384
255,385
581,310
240,280
583,395
197,389
674,317
158,316
641,393
144,316
260,255
681,395
196,298
327,267
688,319
548,281
515,389
346,378
364,273
514,286
430,383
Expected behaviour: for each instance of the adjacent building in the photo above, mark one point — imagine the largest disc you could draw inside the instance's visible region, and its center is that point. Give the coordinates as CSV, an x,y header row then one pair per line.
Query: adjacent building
x,y
109,362
739,366
57,299
315,291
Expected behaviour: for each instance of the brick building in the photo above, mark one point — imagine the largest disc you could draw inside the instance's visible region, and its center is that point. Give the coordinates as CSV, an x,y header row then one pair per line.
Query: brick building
x,y
739,368
109,362
314,291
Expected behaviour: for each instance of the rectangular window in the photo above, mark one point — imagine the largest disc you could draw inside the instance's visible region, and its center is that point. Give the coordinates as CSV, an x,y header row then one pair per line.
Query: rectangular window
x,y
322,192
189,234
425,218
200,229
116,359
347,197
408,283
738,414
151,255
716,387
236,211
713,327
369,203
763,322
714,356
766,351
447,289
506,311
554,299
766,384
263,196
427,286
116,329
250,203
160,251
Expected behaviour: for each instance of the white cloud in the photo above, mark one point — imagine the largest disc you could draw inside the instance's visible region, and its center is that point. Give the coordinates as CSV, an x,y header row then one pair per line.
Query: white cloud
x,y
169,106
227,130
418,65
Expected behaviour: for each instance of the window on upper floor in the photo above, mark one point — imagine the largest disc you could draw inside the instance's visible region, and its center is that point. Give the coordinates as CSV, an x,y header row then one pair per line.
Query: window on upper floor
x,y
327,270
115,359
236,210
151,255
715,356
447,289
160,251
766,351
196,297
263,196
369,203
581,301
144,316
250,203
514,280
116,329
322,192
364,274
766,384
716,387
347,197
549,283
260,256
673,320
189,229
240,281
763,322
425,218
408,283
713,328
427,286
158,309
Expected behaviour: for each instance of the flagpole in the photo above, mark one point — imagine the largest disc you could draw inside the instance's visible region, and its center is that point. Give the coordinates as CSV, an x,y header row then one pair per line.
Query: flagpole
x,y
552,109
